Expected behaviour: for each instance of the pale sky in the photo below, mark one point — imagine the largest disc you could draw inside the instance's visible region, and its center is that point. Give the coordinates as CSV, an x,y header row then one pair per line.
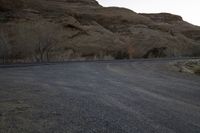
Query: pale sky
x,y
188,9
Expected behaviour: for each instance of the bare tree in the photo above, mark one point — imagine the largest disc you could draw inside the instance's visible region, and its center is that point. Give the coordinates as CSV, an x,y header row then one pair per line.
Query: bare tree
x,y
4,47
30,41
21,42
44,45
36,40
47,37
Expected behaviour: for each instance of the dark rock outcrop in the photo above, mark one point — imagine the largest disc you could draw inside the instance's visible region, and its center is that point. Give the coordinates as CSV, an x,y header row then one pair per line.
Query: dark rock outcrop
x,y
156,53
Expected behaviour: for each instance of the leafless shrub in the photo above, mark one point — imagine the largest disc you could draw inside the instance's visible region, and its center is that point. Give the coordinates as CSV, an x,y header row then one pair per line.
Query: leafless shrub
x,y
4,47
35,41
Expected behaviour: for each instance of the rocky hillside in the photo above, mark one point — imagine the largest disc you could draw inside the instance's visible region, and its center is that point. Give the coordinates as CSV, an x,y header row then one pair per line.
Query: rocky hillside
x,y
49,30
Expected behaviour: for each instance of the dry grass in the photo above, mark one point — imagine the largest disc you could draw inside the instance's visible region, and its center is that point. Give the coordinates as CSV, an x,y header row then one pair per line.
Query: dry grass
x,y
192,66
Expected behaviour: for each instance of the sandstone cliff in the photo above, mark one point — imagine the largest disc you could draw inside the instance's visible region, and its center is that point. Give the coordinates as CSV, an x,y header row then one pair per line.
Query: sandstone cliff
x,y
39,30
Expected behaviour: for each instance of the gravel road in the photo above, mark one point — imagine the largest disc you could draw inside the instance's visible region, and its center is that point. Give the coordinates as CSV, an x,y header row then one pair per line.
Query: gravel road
x,y
99,97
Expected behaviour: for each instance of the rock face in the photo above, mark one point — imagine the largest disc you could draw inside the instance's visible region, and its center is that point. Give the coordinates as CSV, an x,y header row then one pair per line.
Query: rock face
x,y
85,29
163,17
6,5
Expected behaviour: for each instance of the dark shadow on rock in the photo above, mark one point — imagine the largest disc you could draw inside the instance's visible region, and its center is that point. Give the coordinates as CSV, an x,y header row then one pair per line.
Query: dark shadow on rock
x,y
156,53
